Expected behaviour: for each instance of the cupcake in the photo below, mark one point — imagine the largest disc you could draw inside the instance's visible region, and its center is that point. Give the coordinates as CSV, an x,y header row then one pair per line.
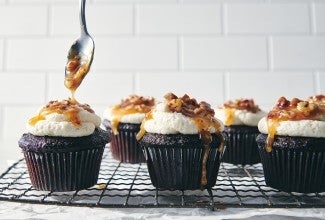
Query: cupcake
x,y
292,145
182,143
240,118
64,146
123,121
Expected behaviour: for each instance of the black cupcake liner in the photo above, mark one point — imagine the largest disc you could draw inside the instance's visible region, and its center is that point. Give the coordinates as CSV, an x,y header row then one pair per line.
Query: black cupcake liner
x,y
124,146
179,167
64,171
297,165
241,145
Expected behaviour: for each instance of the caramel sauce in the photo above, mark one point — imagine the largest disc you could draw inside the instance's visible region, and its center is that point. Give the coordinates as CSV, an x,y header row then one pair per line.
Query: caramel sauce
x,y
230,114
319,99
242,104
203,117
142,131
76,70
131,105
101,186
272,126
118,114
69,108
203,125
293,110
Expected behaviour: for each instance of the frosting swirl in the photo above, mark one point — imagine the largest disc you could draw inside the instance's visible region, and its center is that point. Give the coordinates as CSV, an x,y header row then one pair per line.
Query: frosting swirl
x,y
294,118
66,118
239,112
130,110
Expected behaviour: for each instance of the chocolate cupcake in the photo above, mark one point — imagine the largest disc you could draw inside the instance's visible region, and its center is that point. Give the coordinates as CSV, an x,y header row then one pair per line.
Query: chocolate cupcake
x,y
123,121
182,143
64,146
292,146
240,118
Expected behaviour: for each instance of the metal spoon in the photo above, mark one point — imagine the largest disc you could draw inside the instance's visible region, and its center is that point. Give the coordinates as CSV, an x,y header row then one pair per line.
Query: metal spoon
x,y
80,55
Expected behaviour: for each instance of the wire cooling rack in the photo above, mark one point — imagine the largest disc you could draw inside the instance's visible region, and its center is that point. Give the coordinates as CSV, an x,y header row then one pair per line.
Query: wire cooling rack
x,y
127,185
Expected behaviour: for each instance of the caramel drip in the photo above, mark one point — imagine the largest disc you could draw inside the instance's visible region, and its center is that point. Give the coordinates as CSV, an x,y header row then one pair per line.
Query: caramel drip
x,y
204,180
76,70
142,131
272,127
230,114
293,110
118,114
242,104
203,125
69,108
36,119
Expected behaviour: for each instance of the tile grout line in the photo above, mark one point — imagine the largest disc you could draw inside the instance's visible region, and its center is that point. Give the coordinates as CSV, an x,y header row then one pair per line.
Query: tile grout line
x,y
46,88
226,85
224,15
5,54
134,83
135,19
316,78
312,19
180,47
270,53
48,20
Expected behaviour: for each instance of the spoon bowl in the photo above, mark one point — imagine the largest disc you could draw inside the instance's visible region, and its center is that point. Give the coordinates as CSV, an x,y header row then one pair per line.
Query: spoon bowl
x,y
80,55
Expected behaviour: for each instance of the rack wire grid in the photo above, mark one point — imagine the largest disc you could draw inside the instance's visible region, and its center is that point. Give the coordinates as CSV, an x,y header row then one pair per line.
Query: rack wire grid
x,y
123,185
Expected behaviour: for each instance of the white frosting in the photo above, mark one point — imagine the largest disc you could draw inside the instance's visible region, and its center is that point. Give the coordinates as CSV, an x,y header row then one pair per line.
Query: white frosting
x,y
164,122
241,117
303,128
57,125
135,118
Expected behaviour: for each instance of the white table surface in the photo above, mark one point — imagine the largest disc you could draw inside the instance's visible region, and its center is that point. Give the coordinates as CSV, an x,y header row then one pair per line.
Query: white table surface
x,y
13,210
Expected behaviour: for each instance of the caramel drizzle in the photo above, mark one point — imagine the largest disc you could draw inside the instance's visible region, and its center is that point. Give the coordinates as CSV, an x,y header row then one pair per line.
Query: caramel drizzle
x,y
142,131
131,105
69,108
230,114
272,127
76,69
118,114
293,110
203,126
242,104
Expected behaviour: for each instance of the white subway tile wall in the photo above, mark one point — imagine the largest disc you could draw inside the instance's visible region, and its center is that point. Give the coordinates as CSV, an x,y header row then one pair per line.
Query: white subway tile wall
x,y
214,50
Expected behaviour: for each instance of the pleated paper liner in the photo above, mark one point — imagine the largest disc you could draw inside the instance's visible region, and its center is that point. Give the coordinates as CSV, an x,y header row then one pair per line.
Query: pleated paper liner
x,y
124,146
64,171
241,145
294,164
178,166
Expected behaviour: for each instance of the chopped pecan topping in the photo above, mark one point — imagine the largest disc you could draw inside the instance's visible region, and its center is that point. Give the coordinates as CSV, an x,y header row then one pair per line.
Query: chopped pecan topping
x,y
188,106
243,104
69,108
65,105
295,109
138,103
319,99
131,105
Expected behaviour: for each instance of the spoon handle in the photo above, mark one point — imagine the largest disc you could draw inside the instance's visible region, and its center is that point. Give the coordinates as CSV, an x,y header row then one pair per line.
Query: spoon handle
x,y
83,24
